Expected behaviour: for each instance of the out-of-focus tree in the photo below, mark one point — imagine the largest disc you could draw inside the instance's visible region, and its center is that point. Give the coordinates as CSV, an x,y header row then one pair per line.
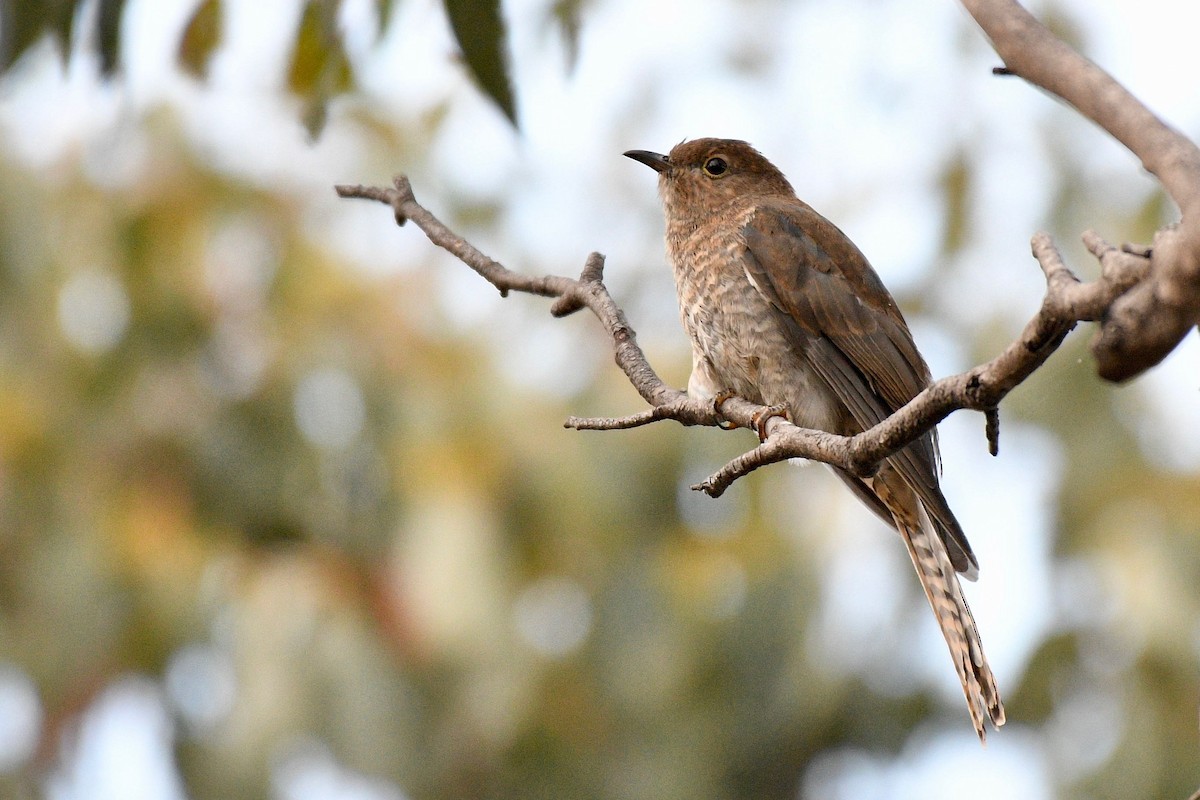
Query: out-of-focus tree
x,y
306,523
319,68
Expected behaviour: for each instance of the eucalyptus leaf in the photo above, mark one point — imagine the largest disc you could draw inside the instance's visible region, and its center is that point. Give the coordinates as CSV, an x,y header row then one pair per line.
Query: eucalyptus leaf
x,y
201,37
480,32
23,23
319,68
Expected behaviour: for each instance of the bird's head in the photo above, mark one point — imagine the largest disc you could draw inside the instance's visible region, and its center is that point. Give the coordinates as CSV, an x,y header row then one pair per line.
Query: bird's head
x,y
702,175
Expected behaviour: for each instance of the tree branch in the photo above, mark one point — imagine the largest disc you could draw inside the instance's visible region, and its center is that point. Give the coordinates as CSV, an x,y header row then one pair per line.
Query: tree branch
x,y
571,295
1149,319
1066,302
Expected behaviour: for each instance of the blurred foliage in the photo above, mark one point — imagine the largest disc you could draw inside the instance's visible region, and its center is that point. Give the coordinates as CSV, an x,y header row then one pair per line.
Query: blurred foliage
x,y
217,438
23,23
159,493
319,70
568,14
200,38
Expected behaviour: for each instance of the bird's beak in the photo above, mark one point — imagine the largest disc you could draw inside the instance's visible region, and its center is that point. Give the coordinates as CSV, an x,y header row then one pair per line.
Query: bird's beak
x,y
655,161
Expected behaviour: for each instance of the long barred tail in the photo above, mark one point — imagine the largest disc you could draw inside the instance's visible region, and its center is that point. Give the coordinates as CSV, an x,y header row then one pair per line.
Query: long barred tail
x,y
945,597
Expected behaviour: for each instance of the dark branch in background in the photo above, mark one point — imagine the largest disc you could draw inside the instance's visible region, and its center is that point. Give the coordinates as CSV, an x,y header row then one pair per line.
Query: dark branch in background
x,y
1139,328
1144,301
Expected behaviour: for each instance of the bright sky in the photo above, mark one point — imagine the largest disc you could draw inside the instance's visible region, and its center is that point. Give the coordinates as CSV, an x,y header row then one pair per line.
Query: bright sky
x,y
856,100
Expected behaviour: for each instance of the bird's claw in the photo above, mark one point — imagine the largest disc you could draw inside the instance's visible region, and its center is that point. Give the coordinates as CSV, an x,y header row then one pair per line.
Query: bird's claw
x,y
720,398
761,418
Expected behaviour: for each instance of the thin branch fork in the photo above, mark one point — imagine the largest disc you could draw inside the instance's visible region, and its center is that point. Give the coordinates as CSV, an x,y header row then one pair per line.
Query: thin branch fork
x,y
1066,302
571,295
1139,328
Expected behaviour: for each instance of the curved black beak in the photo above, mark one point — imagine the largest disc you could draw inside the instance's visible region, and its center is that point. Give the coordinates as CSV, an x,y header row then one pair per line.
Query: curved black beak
x,y
655,161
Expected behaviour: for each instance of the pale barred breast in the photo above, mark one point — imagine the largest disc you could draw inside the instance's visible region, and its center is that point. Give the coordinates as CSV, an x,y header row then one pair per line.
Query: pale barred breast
x,y
738,330
730,322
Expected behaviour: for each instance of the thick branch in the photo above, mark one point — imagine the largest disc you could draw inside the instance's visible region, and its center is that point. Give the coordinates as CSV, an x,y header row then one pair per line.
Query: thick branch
x,y
982,388
1141,327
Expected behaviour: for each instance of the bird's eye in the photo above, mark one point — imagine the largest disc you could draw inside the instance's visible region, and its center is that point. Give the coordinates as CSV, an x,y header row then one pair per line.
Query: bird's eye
x,y
715,167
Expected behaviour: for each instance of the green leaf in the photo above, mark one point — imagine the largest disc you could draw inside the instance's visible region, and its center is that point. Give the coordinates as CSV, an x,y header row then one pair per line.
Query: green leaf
x,y
319,68
23,23
567,14
480,33
108,29
200,38
384,9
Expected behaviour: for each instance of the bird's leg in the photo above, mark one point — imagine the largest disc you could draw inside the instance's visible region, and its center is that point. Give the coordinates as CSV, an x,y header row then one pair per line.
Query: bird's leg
x,y
761,418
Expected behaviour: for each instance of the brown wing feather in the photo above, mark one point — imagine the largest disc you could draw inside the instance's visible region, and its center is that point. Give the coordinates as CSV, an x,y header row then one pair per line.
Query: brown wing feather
x,y
852,333
805,257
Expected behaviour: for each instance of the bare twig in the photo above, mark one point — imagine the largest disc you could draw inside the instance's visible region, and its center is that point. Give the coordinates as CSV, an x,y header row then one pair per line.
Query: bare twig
x,y
992,430
1149,318
982,388
571,294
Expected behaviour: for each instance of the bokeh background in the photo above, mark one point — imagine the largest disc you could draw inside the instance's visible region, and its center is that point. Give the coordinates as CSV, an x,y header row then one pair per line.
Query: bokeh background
x,y
286,506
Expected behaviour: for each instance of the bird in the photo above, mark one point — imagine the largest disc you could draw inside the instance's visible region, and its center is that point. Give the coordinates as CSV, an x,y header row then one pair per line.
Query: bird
x,y
783,310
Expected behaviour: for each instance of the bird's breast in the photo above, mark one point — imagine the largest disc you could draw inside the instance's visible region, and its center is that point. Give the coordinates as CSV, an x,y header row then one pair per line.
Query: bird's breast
x,y
737,330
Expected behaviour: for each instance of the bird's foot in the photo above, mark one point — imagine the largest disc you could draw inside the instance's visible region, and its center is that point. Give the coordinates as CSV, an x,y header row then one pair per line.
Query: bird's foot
x,y
718,400
761,418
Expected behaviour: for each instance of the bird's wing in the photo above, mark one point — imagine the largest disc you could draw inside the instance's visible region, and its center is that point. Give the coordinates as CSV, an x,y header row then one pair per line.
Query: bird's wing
x,y
852,333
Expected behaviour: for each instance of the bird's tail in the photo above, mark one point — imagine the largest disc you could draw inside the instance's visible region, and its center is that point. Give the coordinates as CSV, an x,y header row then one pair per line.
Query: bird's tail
x,y
945,596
